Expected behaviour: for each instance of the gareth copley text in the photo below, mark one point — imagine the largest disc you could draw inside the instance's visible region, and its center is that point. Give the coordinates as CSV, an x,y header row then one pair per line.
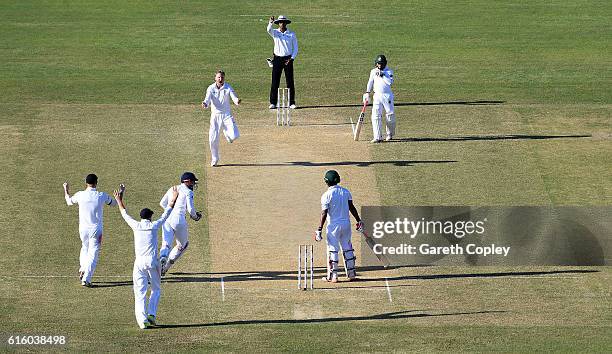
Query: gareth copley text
x,y
426,249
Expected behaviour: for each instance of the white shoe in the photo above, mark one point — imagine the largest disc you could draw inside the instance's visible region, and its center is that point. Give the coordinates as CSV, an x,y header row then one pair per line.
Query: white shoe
x,y
388,138
333,279
272,106
86,284
293,106
214,163
375,141
269,60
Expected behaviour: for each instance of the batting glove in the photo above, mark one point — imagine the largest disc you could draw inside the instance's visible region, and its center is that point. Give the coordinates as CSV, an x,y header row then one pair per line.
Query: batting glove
x,y
318,235
366,98
359,227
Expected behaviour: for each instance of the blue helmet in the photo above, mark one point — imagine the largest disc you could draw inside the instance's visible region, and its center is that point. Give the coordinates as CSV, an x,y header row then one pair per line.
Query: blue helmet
x,y
188,176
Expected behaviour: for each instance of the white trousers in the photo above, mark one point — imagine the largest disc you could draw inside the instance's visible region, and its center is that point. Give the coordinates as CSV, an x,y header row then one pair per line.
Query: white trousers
x,y
339,239
380,101
91,240
169,232
221,122
142,276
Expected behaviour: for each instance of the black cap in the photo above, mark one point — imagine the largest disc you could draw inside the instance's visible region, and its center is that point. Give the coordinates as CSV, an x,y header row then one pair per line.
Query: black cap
x,y
91,179
146,213
188,176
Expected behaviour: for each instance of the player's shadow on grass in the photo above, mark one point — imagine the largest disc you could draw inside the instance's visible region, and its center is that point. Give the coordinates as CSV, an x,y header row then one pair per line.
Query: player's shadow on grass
x,y
490,138
398,315
111,284
483,275
181,277
321,271
399,104
401,163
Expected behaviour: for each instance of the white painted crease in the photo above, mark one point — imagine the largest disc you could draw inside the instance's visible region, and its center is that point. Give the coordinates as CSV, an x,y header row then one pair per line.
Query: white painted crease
x,y
388,289
222,290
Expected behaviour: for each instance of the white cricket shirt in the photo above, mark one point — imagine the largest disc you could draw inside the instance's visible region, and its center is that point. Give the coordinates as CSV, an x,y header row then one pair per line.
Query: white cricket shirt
x,y
285,43
145,237
335,201
219,98
91,206
380,84
183,205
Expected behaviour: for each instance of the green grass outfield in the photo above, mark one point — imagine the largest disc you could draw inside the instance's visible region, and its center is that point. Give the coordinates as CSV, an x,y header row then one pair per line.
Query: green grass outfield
x,y
514,96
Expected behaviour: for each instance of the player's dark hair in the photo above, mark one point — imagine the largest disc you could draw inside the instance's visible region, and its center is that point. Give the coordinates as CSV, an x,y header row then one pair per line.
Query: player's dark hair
x,y
146,213
91,179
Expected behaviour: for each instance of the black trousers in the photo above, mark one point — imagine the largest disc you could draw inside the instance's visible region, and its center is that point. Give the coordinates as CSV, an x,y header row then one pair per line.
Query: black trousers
x,y
278,65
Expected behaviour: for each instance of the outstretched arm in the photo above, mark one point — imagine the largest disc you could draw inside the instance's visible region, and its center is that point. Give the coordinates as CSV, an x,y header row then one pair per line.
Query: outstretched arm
x,y
119,199
112,202
67,194
269,28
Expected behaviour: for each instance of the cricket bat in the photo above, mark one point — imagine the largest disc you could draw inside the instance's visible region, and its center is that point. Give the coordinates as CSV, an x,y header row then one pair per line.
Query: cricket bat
x,y
371,243
360,122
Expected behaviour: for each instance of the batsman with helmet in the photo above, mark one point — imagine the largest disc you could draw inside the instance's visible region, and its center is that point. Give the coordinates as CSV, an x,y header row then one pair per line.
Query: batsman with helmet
x,y
381,79
176,224
336,203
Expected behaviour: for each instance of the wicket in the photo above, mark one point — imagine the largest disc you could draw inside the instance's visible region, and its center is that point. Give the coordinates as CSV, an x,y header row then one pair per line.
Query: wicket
x,y
305,266
283,112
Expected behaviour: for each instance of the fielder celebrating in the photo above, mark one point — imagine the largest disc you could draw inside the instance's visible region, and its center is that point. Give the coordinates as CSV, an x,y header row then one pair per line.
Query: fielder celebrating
x,y
147,269
91,209
218,96
381,79
176,224
337,202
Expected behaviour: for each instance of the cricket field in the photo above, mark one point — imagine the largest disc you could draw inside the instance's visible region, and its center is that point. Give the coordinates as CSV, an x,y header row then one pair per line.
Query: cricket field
x,y
498,103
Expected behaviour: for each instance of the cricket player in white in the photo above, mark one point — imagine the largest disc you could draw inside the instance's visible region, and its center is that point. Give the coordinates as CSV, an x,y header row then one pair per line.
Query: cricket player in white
x,y
147,269
337,202
381,79
218,96
91,210
176,224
